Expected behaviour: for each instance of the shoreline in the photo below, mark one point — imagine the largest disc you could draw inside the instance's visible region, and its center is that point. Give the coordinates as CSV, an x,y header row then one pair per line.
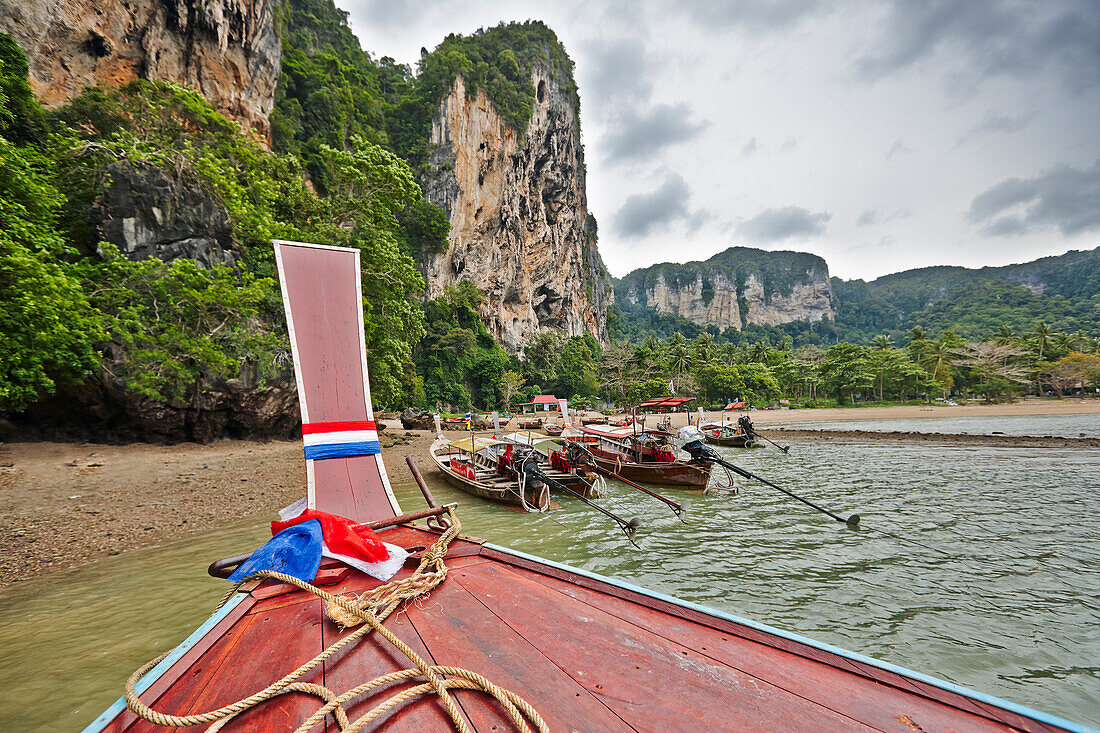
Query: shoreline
x,y
64,505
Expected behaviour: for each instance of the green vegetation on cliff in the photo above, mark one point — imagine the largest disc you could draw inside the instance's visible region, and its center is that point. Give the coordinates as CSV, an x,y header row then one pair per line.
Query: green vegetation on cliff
x,y
777,271
344,130
330,90
164,329
1062,291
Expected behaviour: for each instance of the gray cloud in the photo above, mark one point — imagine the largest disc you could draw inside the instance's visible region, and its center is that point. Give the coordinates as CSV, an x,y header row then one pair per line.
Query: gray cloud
x,y
757,15
995,37
899,146
640,134
868,217
642,213
772,225
1063,197
993,123
876,216
749,148
617,68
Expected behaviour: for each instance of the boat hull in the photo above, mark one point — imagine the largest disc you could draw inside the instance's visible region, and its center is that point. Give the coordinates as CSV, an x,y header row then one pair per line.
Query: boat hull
x,y
581,649
536,494
735,441
679,473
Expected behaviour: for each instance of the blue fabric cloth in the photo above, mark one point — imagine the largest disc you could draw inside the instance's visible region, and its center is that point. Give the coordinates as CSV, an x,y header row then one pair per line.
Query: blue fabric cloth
x,y
342,450
295,551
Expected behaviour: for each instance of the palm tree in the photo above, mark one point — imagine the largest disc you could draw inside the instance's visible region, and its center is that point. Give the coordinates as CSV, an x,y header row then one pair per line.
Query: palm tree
x,y
882,342
939,357
916,333
729,353
1040,336
759,352
1005,336
703,348
678,355
1062,341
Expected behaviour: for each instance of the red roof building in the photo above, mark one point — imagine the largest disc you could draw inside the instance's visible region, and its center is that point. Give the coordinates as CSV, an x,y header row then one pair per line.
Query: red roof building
x,y
541,403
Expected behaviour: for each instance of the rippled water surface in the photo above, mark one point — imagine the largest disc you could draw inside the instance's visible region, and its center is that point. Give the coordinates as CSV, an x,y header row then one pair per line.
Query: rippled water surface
x,y
1059,426
995,585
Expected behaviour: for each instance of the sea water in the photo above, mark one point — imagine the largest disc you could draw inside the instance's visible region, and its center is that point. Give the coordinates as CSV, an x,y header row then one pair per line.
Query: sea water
x,y
977,565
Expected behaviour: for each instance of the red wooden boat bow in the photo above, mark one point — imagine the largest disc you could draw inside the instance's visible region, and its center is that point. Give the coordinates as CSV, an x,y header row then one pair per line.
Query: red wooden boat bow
x,y
588,653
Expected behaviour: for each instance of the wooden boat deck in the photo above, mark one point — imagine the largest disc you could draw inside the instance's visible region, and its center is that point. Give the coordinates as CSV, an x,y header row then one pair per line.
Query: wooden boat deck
x,y
588,655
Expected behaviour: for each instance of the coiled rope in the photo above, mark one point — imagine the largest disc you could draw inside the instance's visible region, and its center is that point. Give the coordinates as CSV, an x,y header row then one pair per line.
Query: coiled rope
x,y
370,609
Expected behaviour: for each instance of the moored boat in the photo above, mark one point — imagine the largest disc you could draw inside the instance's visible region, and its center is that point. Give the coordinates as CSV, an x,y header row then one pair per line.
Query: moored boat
x,y
641,455
483,467
506,637
728,436
562,469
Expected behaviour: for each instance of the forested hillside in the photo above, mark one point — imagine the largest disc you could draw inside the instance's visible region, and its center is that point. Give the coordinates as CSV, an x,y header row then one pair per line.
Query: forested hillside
x,y
1062,291
175,329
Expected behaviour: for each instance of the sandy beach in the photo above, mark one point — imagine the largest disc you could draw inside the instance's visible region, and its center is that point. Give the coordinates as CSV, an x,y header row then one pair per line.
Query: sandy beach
x,y
65,504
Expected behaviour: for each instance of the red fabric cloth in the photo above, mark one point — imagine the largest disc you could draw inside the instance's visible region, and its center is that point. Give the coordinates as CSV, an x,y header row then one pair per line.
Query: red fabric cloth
x,y
342,536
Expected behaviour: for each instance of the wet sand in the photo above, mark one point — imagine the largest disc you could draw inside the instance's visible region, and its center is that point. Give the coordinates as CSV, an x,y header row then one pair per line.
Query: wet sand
x,y
66,504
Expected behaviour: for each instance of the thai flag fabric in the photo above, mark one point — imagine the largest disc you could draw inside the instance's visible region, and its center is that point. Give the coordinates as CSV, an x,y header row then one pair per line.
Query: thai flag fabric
x,y
349,542
340,439
295,551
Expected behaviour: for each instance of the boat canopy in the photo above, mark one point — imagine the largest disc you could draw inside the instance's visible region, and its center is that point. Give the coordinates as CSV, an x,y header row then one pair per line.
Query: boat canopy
x,y
618,433
475,444
664,404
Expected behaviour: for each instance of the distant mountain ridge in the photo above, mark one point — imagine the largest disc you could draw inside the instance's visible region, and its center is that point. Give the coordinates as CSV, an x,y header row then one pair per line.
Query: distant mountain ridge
x,y
735,288
1063,290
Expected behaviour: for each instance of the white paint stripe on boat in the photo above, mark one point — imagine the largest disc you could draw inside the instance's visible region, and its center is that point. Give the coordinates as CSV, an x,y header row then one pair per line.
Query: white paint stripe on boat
x,y
341,437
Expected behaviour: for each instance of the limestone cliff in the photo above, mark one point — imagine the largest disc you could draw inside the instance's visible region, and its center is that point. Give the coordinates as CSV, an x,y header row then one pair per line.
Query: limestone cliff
x,y
517,207
228,50
735,288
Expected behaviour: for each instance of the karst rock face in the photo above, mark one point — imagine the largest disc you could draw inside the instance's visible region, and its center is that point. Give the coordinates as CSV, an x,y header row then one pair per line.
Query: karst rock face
x,y
736,288
517,208
228,50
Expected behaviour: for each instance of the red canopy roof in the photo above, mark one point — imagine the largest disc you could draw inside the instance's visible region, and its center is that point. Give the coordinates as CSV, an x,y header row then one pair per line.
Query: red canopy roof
x,y
665,402
543,399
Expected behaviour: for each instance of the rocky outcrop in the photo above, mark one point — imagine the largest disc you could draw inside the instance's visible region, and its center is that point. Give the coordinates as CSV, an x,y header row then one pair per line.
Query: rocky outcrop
x,y
735,288
102,409
147,212
228,50
517,207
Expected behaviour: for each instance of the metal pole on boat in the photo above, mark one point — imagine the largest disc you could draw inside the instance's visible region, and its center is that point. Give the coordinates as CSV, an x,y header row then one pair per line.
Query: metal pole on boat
x,y
629,528
420,482
680,509
702,452
786,449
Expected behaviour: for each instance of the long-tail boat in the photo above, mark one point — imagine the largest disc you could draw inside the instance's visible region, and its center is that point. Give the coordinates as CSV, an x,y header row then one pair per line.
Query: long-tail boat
x,y
641,455
493,469
479,466
576,477
505,636
728,435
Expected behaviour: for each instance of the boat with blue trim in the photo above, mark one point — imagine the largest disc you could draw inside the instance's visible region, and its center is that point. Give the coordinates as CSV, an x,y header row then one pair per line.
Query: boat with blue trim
x,y
508,640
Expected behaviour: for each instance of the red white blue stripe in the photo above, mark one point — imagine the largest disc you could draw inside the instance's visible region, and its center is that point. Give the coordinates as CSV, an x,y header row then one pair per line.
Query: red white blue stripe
x,y
340,439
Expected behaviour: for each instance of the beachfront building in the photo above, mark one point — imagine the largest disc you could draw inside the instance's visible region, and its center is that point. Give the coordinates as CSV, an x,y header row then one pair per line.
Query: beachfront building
x,y
541,403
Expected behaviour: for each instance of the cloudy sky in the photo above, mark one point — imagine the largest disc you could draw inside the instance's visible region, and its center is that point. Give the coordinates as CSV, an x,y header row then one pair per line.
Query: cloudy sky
x,y
879,135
